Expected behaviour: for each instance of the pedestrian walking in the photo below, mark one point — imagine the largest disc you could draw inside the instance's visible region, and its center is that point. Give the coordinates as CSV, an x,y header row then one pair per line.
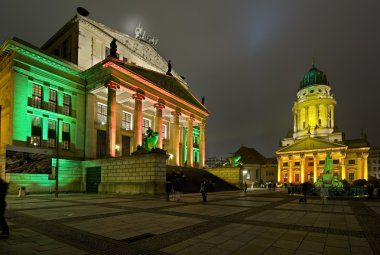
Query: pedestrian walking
x,y
203,191
3,223
324,194
245,187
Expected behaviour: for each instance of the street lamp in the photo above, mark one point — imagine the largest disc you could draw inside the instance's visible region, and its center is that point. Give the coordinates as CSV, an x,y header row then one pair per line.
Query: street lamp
x,y
57,158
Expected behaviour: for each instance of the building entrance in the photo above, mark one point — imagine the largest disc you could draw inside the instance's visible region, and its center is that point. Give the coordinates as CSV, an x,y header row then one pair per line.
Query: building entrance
x,y
93,178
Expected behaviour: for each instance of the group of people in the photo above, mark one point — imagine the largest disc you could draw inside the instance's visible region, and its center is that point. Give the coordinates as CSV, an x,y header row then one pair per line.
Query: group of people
x,y
3,223
174,183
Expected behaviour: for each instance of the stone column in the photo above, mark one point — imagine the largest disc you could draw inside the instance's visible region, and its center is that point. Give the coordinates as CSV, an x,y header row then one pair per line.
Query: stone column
x,y
332,116
302,168
111,119
295,121
317,115
290,169
365,165
343,165
279,174
176,130
202,144
359,171
190,141
90,129
327,115
159,107
137,120
315,157
306,117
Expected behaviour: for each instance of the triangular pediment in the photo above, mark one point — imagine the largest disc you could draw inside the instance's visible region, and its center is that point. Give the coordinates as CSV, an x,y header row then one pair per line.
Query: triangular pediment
x,y
311,144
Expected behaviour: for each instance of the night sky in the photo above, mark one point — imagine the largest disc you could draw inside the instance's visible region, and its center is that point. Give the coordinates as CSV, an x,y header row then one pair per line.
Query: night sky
x,y
246,57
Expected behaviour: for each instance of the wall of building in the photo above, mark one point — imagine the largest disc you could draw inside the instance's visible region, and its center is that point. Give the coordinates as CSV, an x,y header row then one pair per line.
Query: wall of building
x,y
232,175
140,174
70,179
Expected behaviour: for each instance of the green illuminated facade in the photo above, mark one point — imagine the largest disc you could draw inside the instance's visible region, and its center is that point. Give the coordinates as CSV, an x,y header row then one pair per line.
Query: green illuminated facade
x,y
102,109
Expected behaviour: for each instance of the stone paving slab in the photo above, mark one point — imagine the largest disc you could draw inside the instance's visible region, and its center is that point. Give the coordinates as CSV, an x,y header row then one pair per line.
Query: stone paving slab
x,y
70,212
316,207
243,239
322,220
40,204
241,203
26,241
267,199
129,225
206,209
147,204
229,224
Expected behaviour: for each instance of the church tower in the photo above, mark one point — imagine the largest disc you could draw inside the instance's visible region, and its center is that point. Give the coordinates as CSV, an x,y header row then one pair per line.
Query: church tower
x,y
302,154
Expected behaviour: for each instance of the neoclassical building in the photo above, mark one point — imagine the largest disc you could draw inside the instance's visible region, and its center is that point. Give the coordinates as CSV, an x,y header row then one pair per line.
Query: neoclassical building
x,y
301,155
101,105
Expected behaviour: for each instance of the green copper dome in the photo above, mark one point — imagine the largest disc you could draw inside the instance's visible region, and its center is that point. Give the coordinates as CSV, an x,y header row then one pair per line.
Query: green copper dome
x,y
313,77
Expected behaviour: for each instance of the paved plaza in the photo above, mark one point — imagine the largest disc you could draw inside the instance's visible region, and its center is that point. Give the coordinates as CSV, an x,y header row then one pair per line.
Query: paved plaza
x,y
256,222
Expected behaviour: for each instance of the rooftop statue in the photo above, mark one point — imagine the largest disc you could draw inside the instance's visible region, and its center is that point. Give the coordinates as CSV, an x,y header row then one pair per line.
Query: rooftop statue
x,y
140,34
233,160
113,49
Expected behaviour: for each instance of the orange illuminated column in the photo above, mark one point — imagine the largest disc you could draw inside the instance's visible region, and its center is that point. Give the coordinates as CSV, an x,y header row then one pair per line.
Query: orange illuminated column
x,y
315,156
137,120
202,145
190,141
302,168
365,165
290,169
343,165
111,119
280,177
176,115
159,107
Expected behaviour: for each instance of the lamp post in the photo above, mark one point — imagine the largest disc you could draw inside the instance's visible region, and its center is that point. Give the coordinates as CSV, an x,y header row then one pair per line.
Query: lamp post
x,y
57,158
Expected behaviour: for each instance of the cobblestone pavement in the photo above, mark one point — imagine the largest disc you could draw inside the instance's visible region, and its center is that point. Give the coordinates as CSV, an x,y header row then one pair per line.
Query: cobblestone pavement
x,y
256,222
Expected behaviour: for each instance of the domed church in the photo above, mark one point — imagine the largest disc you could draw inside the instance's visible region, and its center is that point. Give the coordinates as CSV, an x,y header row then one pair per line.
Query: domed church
x,y
301,156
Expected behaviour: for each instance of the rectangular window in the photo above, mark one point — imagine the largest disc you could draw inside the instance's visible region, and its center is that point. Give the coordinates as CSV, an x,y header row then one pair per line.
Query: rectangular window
x,y
36,135
321,162
351,162
146,125
126,121
310,163
66,108
351,177
51,133
125,60
65,136
336,161
297,177
285,164
164,131
102,113
52,100
37,96
297,163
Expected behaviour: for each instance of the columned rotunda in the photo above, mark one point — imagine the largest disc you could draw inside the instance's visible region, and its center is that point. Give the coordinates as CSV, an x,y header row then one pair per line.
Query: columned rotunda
x,y
301,155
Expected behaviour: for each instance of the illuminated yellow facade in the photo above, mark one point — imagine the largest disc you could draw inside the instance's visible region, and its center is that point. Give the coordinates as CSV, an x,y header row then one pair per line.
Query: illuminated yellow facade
x,y
302,155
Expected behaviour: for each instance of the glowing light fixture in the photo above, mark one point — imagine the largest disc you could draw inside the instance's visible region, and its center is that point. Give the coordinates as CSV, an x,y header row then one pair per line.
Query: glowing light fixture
x,y
171,156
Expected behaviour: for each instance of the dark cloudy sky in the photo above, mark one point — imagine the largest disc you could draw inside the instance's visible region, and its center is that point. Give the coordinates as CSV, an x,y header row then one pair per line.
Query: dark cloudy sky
x,y
246,57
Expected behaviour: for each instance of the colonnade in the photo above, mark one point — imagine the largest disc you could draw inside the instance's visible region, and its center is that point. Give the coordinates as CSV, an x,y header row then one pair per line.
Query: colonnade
x,y
138,122
327,123
291,165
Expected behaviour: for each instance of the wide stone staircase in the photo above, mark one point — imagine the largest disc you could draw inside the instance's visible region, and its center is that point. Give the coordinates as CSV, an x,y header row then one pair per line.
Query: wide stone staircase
x,y
194,177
